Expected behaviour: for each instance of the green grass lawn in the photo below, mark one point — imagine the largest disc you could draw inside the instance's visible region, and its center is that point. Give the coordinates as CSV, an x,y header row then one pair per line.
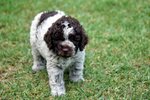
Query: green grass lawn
x,y
117,56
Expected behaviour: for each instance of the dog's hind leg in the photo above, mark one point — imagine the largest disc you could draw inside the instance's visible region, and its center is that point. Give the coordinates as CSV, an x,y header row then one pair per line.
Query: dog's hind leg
x,y
38,61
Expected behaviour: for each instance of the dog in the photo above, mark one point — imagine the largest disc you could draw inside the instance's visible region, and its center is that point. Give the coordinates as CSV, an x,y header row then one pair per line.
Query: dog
x,y
58,42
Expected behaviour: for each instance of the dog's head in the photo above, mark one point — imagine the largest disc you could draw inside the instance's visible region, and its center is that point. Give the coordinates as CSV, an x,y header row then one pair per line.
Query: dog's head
x,y
66,36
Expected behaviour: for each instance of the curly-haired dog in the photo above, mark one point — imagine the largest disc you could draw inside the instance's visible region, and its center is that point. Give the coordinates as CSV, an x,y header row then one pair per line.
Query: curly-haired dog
x,y
58,42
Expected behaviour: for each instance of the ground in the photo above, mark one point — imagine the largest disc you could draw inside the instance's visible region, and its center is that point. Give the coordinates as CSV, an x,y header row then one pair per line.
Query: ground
x,y
117,57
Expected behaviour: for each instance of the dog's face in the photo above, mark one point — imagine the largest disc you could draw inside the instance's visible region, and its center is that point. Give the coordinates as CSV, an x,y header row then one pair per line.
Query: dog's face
x,y
66,36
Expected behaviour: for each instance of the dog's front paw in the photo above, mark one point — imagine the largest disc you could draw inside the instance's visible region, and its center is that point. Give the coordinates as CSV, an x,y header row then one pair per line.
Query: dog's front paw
x,y
36,68
58,92
76,78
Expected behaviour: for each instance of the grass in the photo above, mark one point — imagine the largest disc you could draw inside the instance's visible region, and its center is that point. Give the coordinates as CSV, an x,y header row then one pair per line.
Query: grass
x,y
118,55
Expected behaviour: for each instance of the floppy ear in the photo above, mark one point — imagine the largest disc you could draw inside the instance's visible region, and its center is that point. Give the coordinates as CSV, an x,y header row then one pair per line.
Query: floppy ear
x,y
52,31
84,41
48,38
84,37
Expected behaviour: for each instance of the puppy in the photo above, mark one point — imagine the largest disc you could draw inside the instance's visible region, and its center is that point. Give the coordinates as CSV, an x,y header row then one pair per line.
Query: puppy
x,y
58,42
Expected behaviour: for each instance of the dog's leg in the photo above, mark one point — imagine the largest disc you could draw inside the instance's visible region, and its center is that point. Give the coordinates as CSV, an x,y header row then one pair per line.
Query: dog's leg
x,y
56,82
76,72
38,61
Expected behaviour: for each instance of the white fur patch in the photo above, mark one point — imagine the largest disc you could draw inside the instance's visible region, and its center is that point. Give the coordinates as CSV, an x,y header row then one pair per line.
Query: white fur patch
x,y
67,30
48,23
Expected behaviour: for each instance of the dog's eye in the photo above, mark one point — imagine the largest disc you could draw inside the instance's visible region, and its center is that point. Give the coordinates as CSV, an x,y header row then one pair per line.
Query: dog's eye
x,y
57,37
63,26
69,25
71,37
74,37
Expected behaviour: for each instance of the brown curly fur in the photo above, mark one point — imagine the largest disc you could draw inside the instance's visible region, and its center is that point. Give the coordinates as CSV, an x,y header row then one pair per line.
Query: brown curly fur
x,y
55,34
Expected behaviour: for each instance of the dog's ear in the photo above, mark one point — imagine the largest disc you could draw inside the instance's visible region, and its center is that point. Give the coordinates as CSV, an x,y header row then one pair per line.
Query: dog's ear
x,y
84,38
51,34
84,41
48,38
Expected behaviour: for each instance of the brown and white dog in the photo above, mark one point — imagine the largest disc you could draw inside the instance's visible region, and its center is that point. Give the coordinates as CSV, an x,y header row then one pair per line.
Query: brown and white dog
x,y
58,42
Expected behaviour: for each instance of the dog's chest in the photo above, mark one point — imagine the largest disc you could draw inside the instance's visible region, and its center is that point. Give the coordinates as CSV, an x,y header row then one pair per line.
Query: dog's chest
x,y
64,63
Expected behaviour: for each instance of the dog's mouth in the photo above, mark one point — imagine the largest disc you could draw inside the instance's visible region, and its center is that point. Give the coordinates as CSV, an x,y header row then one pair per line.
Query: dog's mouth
x,y
65,55
66,52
